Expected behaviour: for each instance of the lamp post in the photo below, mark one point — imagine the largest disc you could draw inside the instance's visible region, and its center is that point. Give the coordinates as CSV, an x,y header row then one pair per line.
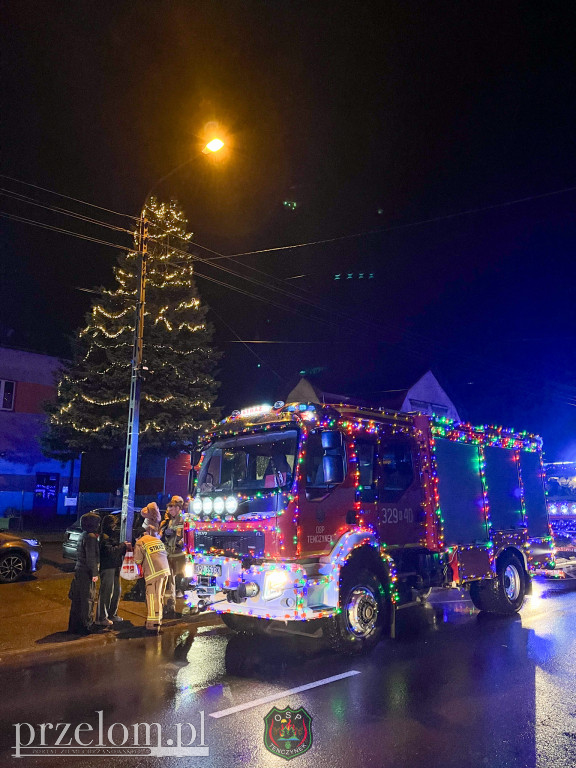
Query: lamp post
x,y
132,433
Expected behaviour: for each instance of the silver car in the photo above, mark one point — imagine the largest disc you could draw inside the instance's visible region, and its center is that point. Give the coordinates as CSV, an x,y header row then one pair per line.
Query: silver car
x,y
18,557
73,533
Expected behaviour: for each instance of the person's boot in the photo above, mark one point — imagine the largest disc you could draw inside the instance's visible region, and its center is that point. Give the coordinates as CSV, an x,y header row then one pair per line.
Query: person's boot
x,y
169,611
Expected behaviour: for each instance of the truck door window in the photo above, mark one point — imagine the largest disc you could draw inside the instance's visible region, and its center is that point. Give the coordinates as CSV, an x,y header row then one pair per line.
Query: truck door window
x,y
366,453
396,470
316,485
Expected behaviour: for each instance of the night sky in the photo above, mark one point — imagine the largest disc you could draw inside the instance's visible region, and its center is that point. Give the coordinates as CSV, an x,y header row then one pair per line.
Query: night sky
x,y
378,119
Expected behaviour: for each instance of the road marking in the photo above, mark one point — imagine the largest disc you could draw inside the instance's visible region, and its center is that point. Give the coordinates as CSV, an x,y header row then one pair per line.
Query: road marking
x,y
282,694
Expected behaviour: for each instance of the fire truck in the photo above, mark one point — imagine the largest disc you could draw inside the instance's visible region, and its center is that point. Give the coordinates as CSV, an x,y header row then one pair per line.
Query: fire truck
x,y
326,518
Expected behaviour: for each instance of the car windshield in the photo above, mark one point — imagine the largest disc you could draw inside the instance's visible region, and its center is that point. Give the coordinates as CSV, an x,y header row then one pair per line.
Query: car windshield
x,y
249,462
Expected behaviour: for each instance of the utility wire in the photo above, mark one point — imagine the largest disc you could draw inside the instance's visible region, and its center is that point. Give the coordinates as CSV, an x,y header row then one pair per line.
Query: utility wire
x,y
56,209
63,231
244,277
409,225
68,197
241,341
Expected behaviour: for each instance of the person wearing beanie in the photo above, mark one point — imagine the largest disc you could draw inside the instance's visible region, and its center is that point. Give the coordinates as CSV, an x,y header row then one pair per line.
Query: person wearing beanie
x,y
171,533
112,552
83,587
150,553
151,515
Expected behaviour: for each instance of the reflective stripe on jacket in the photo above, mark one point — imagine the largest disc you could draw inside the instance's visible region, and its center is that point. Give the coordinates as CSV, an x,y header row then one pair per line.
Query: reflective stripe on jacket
x,y
151,553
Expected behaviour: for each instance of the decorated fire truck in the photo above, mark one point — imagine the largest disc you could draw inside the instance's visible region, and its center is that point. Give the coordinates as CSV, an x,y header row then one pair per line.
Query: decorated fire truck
x,y
327,518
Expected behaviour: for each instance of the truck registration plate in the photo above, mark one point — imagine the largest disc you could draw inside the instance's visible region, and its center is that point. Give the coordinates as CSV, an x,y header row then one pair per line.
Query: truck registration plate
x,y
200,569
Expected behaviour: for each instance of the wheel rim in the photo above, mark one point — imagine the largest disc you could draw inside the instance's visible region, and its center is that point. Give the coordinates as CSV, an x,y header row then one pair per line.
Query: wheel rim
x,y
11,567
512,583
361,612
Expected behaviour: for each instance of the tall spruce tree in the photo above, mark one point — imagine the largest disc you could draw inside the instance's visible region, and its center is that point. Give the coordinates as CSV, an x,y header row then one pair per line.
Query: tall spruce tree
x,y
178,387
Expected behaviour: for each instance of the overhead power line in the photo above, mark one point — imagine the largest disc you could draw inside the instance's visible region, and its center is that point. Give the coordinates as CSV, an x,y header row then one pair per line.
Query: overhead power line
x,y
56,209
67,197
519,379
61,230
408,225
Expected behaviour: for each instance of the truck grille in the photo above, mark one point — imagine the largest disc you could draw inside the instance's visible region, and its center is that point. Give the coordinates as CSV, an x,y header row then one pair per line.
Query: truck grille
x,y
248,544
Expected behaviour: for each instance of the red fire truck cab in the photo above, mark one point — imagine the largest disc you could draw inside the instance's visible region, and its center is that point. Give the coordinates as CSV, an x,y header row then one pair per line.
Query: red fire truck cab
x,y
307,511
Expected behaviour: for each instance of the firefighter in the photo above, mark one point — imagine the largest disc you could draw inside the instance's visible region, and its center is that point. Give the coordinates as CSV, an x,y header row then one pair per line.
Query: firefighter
x,y
150,553
171,534
83,587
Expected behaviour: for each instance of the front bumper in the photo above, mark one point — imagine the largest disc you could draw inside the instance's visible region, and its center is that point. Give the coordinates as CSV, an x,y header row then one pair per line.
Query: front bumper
x,y
276,591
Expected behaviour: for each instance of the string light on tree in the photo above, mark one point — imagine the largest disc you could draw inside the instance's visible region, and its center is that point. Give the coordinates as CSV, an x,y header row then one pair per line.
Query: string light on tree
x,y
178,388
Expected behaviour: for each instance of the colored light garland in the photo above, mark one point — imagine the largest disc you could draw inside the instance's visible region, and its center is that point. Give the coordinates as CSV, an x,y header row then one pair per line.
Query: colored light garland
x,y
425,431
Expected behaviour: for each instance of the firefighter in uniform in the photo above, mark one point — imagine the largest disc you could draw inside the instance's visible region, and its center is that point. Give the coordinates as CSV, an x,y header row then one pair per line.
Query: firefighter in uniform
x,y
150,553
171,534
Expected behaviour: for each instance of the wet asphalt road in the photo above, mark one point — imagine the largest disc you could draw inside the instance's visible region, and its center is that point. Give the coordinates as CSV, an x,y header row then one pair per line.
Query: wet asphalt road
x,y
454,689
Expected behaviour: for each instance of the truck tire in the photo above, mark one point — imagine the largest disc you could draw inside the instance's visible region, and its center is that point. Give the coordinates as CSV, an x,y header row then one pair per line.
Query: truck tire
x,y
505,594
247,625
357,628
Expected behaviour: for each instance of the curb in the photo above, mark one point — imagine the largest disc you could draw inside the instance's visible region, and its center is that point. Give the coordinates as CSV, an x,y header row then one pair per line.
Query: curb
x,y
48,653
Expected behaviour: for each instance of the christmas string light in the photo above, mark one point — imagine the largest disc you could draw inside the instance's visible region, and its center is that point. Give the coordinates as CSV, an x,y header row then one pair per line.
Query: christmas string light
x,y
178,389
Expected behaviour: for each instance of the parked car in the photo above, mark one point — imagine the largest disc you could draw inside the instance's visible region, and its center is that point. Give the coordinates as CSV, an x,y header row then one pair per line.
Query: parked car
x,y
18,557
74,532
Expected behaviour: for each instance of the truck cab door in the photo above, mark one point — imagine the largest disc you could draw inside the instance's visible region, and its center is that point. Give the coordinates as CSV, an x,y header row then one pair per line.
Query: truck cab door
x,y
400,515
326,491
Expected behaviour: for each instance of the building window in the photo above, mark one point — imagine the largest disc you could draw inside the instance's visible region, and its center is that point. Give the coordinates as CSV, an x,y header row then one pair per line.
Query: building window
x,y
431,408
7,389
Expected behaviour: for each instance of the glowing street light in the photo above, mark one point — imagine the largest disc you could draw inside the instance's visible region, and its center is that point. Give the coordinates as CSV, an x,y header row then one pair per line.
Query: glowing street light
x,y
213,146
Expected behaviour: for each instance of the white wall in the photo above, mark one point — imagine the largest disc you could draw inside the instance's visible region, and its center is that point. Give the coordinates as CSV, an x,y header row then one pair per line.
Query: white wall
x,y
428,393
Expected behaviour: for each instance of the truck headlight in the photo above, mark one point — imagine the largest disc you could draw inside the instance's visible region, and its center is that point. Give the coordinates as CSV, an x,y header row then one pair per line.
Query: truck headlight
x,y
231,505
275,583
197,506
207,505
218,505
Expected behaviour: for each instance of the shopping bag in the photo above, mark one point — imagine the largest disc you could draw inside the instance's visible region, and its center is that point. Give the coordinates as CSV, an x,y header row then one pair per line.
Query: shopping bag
x,y
129,570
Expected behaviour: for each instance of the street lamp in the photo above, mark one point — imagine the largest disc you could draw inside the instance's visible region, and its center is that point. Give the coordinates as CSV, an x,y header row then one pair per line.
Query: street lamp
x,y
132,433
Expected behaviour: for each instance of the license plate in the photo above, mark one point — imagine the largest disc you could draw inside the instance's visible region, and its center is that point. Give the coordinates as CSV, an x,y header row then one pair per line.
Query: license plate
x,y
207,570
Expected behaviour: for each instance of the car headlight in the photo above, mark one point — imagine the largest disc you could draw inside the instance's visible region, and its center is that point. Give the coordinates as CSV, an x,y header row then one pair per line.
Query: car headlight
x,y
32,542
231,504
207,505
197,506
218,505
275,583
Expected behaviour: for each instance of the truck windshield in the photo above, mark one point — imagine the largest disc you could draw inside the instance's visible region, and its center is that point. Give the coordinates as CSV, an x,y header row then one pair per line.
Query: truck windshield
x,y
249,462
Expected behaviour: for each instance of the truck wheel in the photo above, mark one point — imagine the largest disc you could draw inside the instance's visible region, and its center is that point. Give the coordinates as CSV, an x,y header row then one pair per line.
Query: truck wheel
x,y
357,628
505,594
248,625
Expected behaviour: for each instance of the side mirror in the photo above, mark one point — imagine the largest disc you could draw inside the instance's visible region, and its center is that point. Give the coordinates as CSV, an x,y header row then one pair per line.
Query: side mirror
x,y
331,440
333,468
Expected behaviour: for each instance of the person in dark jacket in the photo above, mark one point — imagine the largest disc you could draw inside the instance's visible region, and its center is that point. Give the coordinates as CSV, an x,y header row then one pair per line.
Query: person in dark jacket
x,y
83,587
112,552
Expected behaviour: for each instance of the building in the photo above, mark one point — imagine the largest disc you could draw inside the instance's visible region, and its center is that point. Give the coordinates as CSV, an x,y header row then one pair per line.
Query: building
x,y
30,483
424,395
44,490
